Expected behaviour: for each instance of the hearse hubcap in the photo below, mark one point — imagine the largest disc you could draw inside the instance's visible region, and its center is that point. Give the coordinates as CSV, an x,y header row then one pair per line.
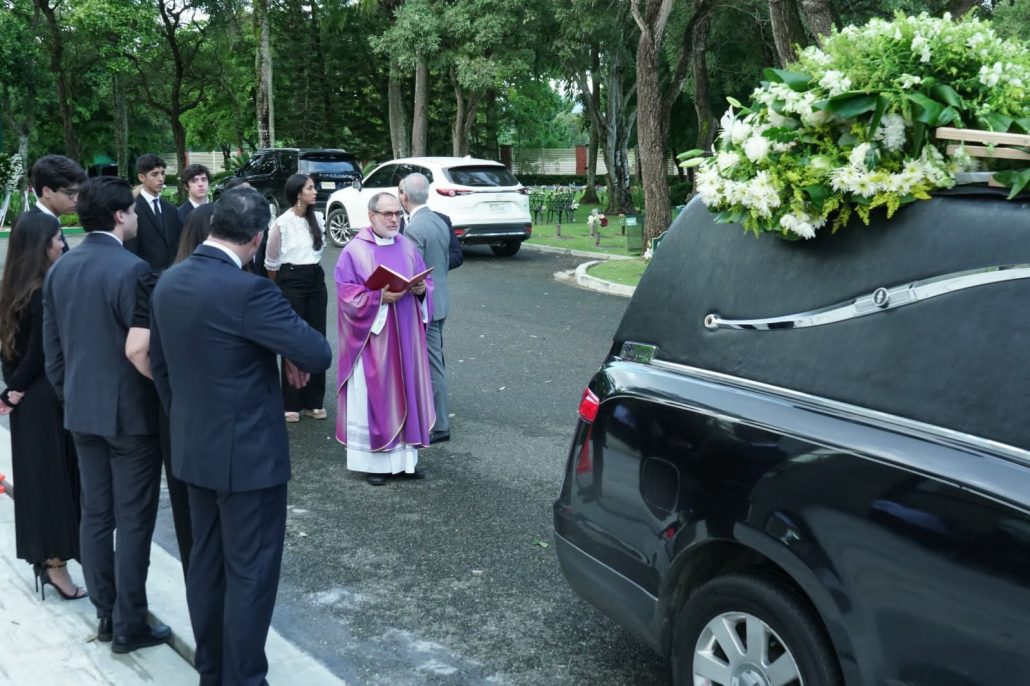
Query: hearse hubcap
x,y
739,649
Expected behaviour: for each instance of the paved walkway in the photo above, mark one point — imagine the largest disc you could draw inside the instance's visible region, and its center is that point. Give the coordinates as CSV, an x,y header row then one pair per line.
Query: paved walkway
x,y
54,641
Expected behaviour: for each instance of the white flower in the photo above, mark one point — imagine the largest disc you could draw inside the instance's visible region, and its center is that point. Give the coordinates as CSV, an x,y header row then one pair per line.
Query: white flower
x,y
739,132
757,148
990,76
778,120
835,82
892,131
727,160
865,185
858,155
908,81
798,225
922,46
844,178
816,118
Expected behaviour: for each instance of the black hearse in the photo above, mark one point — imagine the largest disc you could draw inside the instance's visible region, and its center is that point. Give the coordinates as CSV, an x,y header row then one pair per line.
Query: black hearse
x,y
809,462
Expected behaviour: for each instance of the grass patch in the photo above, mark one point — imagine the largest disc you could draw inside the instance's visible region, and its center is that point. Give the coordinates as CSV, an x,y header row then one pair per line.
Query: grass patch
x,y
624,272
576,236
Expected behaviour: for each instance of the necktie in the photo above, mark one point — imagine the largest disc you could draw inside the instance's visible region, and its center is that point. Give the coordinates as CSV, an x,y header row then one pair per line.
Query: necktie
x,y
157,207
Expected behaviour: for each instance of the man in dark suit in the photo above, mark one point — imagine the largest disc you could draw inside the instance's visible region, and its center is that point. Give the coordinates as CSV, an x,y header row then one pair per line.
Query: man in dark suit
x,y
157,240
229,443
88,299
197,179
56,180
430,235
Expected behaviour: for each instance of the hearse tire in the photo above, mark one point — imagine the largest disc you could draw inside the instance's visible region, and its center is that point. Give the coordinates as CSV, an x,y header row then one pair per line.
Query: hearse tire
x,y
744,610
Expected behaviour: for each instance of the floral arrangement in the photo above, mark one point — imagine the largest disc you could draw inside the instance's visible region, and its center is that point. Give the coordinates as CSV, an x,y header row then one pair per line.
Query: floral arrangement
x,y
849,127
11,170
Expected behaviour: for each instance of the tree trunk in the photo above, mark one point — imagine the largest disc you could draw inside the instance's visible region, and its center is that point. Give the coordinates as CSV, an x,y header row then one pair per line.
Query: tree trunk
x,y
23,151
590,193
466,108
263,73
179,136
419,114
706,121
56,47
650,127
121,126
398,118
959,8
616,149
819,15
324,93
787,30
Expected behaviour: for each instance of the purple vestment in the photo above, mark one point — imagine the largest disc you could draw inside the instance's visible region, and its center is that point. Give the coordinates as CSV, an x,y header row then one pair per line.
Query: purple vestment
x,y
400,393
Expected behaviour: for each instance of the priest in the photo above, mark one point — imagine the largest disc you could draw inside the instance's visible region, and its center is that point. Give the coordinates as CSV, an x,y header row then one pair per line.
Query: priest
x,y
385,396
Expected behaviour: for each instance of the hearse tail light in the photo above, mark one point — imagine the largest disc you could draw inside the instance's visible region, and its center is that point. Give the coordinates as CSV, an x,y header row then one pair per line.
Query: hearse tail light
x,y
452,192
588,406
459,232
529,229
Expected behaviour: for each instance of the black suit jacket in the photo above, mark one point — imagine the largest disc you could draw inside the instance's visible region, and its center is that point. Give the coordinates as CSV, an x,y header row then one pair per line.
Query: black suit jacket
x,y
88,299
64,241
214,336
157,238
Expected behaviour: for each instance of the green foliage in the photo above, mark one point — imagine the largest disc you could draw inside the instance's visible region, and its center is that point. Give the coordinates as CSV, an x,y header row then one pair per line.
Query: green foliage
x,y
847,129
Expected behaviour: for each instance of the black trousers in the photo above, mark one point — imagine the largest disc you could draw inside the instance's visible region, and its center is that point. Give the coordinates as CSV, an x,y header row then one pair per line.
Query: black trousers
x,y
178,496
121,477
304,286
233,580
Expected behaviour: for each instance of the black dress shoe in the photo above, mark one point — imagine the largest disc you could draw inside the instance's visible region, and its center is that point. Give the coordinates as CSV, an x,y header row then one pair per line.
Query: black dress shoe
x,y
104,630
439,437
376,479
151,636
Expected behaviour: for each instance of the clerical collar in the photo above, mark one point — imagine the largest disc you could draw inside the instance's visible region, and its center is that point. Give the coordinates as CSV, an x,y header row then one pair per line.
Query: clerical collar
x,y
383,241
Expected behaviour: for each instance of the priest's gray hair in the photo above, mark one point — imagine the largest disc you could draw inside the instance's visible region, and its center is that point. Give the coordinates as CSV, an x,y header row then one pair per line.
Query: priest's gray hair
x,y
416,187
373,203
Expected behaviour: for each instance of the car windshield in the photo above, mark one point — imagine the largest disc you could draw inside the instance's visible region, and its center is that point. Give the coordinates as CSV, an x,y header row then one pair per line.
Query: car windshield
x,y
481,176
326,164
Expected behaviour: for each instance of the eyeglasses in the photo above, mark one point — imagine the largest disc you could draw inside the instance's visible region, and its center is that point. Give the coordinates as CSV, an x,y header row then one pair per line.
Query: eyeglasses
x,y
388,215
70,192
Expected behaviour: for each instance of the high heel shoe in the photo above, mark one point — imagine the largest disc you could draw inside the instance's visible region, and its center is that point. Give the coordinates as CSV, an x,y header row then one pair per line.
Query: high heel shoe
x,y
43,578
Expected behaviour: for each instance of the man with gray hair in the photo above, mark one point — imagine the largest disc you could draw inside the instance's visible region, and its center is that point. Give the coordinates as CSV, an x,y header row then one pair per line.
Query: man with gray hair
x,y
430,235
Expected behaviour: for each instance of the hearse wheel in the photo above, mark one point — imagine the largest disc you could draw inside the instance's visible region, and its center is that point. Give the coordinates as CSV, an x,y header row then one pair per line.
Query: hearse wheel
x,y
507,249
749,629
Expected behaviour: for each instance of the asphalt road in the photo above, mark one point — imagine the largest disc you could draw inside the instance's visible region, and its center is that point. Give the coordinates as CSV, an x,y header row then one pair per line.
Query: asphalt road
x,y
453,580
448,580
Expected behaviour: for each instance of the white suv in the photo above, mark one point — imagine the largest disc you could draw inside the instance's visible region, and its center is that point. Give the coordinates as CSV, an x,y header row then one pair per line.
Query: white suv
x,y
486,203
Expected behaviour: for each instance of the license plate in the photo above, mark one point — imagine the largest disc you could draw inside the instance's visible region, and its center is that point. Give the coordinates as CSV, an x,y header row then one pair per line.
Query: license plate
x,y
329,185
498,208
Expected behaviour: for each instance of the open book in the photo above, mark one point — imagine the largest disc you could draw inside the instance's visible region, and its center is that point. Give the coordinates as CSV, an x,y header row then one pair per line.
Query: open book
x,y
384,277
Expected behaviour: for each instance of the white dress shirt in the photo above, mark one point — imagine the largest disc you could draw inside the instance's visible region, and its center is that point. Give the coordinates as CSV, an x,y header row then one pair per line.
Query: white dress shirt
x,y
290,242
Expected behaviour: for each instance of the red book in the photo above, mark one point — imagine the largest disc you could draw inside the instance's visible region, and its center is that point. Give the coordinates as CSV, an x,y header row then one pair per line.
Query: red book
x,y
384,277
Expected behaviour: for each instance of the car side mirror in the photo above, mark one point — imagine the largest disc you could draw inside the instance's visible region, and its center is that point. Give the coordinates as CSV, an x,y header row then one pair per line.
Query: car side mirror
x,y
356,185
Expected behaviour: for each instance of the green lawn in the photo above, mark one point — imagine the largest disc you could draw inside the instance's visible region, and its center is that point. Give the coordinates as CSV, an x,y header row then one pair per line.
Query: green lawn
x,y
576,236
625,272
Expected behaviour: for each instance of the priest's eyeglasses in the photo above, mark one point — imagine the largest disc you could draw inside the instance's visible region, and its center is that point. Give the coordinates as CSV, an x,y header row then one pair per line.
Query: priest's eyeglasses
x,y
388,215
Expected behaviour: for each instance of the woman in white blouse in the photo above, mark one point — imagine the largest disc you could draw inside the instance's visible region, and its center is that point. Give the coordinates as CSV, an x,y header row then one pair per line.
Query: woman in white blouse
x,y
293,261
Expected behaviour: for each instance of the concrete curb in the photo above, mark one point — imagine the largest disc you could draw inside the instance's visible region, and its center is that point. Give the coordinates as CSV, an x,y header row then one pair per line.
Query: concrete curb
x,y
600,285
526,245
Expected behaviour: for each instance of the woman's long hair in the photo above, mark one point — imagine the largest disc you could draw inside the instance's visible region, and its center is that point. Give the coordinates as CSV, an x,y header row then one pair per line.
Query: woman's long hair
x,y
196,230
294,185
27,262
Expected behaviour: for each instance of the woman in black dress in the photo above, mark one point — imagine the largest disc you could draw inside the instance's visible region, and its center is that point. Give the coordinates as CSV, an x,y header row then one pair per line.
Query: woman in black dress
x,y
46,506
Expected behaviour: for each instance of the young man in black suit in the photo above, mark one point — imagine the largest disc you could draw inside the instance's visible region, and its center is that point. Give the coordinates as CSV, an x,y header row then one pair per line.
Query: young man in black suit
x,y
88,300
197,180
157,240
56,180
229,443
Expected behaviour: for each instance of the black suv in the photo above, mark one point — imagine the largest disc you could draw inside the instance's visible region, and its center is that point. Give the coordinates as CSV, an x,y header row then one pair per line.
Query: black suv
x,y
809,462
268,169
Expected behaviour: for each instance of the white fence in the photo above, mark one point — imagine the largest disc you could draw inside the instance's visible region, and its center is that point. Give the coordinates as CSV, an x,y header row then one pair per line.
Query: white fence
x,y
212,160
562,161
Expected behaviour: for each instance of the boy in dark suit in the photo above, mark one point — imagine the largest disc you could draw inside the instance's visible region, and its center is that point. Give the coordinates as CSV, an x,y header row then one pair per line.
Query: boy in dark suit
x,y
56,180
197,180
88,299
157,239
229,443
